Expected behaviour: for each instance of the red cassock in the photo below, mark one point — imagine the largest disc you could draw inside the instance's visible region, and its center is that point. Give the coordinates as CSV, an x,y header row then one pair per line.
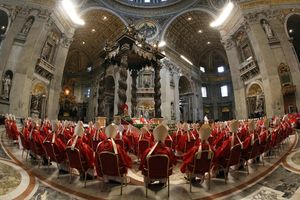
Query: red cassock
x,y
88,136
14,131
219,139
188,158
125,161
184,139
195,133
143,136
99,136
176,136
243,133
86,151
223,152
26,135
65,134
46,129
59,145
247,145
161,148
125,140
38,139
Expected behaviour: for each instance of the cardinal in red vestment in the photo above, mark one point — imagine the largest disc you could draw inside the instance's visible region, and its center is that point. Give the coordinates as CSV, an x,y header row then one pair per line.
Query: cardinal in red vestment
x,y
87,154
187,137
160,133
57,142
98,135
36,139
177,134
223,152
188,158
13,129
88,134
109,144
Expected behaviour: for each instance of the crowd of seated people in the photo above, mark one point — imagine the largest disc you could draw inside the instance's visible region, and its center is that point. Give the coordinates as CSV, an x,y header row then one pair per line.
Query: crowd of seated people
x,y
183,143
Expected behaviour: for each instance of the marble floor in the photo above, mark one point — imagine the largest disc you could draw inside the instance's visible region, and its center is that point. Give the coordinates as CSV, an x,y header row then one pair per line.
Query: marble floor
x,y
278,178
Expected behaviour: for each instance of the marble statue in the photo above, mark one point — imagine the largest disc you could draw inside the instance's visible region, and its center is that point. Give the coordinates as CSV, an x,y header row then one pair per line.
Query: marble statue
x,y
35,101
267,28
6,82
27,26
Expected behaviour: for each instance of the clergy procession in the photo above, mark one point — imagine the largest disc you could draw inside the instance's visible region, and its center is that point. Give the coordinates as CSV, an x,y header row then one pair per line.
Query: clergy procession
x,y
201,151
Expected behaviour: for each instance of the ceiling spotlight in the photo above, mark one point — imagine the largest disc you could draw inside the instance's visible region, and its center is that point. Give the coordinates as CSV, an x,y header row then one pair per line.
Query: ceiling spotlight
x,y
200,31
223,16
104,17
208,42
69,7
2,27
162,44
93,30
291,31
83,42
189,18
186,60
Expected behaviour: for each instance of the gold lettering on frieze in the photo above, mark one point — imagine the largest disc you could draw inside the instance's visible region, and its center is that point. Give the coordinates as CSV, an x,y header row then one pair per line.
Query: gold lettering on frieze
x,y
256,3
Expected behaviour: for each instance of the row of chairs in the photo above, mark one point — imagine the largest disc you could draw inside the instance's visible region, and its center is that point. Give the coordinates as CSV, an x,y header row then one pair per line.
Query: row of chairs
x,y
158,165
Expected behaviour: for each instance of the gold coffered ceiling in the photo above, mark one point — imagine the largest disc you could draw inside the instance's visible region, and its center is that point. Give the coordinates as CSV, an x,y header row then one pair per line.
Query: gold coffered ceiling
x,y
89,40
191,35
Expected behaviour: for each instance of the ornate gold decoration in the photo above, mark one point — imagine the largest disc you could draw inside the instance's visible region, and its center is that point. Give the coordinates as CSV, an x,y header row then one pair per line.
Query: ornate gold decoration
x,y
257,3
39,88
254,90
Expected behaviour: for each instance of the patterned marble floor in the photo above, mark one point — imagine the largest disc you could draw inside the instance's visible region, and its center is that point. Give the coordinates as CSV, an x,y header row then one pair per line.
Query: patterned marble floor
x,y
278,183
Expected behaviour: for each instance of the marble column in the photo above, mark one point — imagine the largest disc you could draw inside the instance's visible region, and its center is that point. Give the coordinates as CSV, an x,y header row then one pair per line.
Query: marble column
x,y
133,93
55,84
22,60
288,55
157,92
122,83
176,96
268,57
240,110
101,93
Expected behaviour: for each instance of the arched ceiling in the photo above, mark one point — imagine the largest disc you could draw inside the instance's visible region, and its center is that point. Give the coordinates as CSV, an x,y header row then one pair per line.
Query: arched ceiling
x,y
89,40
190,35
212,59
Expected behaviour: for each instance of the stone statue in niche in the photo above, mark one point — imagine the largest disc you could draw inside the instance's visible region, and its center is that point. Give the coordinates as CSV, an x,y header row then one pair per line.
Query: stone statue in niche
x,y
35,102
6,85
27,26
46,51
267,28
260,105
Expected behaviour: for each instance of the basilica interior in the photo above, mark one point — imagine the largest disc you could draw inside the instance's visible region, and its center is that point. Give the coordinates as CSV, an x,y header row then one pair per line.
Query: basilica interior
x,y
188,61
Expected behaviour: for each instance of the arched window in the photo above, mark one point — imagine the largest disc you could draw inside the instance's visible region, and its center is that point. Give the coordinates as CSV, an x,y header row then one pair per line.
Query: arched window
x,y
3,24
293,29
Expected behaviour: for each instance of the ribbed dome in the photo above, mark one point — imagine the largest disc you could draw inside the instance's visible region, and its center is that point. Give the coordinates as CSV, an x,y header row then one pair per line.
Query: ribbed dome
x,y
148,3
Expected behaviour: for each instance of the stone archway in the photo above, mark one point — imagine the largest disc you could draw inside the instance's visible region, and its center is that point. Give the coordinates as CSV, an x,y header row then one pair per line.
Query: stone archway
x,y
185,99
293,30
4,23
255,99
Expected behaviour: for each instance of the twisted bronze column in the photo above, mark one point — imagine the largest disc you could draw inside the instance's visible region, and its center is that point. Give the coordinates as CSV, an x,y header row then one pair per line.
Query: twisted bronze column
x,y
101,92
157,93
122,83
133,93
